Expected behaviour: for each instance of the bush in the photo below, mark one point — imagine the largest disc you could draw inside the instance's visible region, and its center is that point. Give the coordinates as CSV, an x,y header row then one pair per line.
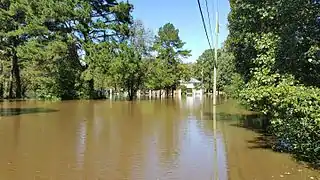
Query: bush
x,y
294,114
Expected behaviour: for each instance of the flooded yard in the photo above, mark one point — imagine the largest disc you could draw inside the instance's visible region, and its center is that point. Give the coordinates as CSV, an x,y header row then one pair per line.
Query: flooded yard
x,y
146,139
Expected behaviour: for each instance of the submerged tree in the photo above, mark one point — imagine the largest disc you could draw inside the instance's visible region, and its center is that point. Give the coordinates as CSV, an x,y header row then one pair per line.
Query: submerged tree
x,y
169,49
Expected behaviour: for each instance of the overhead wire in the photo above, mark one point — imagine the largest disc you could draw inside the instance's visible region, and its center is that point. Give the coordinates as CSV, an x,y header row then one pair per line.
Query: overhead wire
x,y
205,29
209,21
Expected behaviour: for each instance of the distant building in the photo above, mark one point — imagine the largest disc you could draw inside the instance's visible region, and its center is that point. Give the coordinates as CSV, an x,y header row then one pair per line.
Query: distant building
x,y
193,87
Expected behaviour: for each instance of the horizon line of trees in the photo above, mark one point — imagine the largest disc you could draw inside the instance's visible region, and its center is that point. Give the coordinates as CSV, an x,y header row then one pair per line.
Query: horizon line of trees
x,y
70,49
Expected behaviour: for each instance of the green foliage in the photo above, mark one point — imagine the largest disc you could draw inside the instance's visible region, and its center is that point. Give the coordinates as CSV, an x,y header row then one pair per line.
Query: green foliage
x,y
294,114
278,34
225,69
129,69
72,49
169,49
235,87
185,71
276,46
204,69
99,58
183,89
158,75
40,43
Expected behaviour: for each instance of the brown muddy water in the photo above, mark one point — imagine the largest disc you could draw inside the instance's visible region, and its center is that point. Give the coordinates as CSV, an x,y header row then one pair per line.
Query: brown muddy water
x,y
152,140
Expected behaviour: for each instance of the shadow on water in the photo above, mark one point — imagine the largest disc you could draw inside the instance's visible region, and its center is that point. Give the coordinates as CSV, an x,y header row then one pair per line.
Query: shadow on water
x,y
20,111
259,124
12,100
263,140
254,122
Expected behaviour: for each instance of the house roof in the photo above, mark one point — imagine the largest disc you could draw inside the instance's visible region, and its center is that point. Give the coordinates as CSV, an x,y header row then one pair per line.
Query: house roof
x,y
192,80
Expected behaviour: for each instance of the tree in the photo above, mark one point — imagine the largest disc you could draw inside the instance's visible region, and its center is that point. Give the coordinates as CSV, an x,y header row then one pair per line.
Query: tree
x,y
289,32
129,69
204,69
42,39
13,20
225,69
100,21
141,38
157,77
121,65
169,48
276,44
185,71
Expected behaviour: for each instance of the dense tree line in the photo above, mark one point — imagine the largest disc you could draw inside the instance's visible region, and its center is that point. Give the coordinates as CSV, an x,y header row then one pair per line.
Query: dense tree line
x,y
276,45
70,49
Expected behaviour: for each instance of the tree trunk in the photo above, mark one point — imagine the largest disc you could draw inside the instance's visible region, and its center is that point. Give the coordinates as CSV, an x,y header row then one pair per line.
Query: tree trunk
x,y
132,93
91,88
167,92
1,90
23,91
16,74
11,89
1,83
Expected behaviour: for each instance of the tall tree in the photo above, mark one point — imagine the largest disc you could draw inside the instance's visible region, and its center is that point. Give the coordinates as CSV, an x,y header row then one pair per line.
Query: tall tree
x,y
13,20
62,34
100,21
121,65
169,48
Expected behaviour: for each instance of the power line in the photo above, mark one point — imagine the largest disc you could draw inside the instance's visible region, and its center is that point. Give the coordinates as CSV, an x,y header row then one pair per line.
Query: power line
x,y
209,19
216,55
213,10
205,28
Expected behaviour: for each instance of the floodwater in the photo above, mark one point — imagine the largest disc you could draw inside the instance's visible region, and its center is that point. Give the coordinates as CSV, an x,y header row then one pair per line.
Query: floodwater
x,y
147,139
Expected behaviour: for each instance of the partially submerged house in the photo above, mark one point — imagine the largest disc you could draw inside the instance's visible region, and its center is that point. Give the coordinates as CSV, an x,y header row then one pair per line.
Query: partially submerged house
x,y
193,87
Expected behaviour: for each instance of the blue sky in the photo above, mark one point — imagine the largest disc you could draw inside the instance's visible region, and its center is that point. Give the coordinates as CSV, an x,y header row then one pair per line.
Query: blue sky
x,y
185,16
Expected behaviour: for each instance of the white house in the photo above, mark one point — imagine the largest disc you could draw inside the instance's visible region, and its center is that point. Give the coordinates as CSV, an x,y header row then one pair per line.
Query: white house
x,y
193,87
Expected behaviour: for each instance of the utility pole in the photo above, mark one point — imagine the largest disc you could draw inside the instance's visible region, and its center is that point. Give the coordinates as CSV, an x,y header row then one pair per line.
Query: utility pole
x,y
216,168
202,85
215,60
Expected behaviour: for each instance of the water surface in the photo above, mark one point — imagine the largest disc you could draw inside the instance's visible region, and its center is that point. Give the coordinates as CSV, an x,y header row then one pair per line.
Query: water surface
x,y
119,140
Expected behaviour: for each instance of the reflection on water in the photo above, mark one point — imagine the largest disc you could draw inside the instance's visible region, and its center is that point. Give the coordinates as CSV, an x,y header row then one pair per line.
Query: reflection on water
x,y
148,139
19,111
81,144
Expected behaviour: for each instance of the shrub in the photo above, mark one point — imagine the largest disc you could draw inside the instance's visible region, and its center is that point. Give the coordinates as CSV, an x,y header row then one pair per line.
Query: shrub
x,y
294,114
